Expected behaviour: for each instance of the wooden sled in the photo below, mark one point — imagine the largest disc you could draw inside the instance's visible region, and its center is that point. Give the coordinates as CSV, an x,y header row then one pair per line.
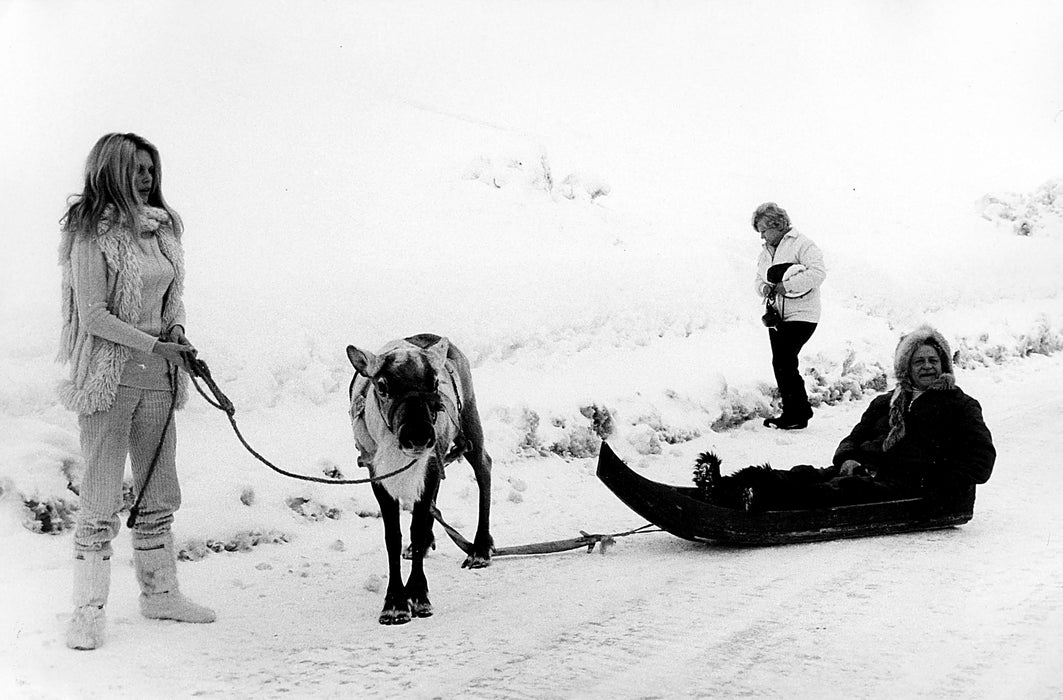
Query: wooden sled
x,y
678,510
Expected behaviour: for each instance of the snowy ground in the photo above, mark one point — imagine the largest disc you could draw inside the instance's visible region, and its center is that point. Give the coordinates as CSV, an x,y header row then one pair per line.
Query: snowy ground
x,y
564,192
970,612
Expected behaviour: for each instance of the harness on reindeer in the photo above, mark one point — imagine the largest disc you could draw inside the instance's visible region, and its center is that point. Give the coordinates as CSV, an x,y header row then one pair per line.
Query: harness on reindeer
x,y
362,394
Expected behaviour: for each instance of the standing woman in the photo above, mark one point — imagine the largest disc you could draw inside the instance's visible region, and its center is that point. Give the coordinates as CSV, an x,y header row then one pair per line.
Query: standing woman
x,y
124,337
790,271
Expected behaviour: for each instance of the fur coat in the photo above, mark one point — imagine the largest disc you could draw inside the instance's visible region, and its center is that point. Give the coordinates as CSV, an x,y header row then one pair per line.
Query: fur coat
x,y
938,440
97,363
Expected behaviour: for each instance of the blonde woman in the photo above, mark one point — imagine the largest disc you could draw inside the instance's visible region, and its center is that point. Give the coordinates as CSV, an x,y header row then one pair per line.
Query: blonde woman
x,y
123,334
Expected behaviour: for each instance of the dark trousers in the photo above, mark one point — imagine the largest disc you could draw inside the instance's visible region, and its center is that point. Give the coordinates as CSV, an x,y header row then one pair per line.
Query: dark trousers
x,y
786,342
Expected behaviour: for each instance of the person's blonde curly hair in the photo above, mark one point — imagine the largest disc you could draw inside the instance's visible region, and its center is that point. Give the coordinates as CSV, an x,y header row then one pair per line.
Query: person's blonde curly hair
x,y
773,215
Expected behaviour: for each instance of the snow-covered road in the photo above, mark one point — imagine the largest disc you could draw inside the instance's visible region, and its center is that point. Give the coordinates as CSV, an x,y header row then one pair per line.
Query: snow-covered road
x,y
970,612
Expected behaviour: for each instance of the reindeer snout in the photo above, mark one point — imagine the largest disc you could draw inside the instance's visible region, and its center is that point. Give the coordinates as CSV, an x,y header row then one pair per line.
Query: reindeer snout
x,y
417,437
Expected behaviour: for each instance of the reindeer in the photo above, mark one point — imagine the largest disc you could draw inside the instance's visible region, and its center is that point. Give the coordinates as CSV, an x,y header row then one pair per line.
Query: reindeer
x,y
412,404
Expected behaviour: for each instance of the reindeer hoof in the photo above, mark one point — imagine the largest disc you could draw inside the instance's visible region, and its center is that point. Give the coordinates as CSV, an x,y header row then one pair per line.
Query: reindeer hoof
x,y
421,608
474,561
395,617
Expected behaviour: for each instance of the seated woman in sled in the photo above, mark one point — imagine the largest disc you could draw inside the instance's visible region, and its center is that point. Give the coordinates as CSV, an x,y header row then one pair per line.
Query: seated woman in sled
x,y
926,438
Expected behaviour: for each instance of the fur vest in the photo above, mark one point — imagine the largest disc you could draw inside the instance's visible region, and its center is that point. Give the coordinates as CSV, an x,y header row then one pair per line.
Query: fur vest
x,y
96,363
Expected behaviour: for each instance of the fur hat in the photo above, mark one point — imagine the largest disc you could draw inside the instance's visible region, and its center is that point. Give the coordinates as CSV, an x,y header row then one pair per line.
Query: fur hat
x,y
905,391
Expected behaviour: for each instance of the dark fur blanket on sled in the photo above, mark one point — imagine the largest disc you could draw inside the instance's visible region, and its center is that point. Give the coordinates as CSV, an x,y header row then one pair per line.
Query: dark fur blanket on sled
x,y
803,487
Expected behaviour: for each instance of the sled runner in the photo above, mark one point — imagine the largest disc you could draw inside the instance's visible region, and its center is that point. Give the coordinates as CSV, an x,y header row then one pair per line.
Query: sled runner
x,y
678,510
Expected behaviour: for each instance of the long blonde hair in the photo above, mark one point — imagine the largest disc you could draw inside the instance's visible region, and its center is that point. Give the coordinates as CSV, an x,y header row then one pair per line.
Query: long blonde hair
x,y
110,175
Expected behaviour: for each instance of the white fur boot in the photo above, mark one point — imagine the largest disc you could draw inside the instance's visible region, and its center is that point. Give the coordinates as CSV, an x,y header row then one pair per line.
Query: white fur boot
x,y
160,598
92,583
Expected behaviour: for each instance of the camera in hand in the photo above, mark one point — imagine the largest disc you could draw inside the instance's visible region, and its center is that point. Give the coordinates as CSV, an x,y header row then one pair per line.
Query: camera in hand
x,y
771,317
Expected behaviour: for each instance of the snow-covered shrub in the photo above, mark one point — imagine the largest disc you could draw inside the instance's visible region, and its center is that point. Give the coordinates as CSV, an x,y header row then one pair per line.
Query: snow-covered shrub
x,y
578,435
313,510
196,549
573,440
583,185
49,516
1040,212
979,351
736,407
330,469
529,429
663,432
1042,339
643,437
510,172
534,173
601,420
828,382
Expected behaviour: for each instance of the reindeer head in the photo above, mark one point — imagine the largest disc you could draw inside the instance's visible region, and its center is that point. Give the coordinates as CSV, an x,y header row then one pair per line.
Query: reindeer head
x,y
405,381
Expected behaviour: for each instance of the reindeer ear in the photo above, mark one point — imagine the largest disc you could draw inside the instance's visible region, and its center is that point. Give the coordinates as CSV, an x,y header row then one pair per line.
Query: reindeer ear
x,y
438,352
365,363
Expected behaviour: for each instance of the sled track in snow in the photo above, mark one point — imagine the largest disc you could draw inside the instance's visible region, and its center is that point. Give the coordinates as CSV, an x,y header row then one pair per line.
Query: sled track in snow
x,y
674,628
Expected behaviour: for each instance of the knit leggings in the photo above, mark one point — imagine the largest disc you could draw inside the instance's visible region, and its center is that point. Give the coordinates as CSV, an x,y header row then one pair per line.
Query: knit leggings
x,y
131,427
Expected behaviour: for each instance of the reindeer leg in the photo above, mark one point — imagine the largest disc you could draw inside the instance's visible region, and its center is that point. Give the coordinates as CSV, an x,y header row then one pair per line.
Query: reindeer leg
x,y
483,544
396,605
421,539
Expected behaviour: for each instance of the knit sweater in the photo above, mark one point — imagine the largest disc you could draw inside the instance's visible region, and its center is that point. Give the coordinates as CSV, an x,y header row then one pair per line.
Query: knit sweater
x,y
105,319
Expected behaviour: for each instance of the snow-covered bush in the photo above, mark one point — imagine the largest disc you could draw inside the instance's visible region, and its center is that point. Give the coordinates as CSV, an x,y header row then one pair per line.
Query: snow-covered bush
x,y
313,510
583,185
49,516
828,382
510,172
739,405
196,549
573,440
601,419
529,429
1040,212
1041,339
534,173
664,433
643,437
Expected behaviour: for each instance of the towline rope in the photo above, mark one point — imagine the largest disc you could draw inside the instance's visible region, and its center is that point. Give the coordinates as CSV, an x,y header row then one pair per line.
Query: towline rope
x,y
200,370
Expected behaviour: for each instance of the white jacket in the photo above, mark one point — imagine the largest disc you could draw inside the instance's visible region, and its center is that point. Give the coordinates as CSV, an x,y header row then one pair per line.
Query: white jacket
x,y
802,300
